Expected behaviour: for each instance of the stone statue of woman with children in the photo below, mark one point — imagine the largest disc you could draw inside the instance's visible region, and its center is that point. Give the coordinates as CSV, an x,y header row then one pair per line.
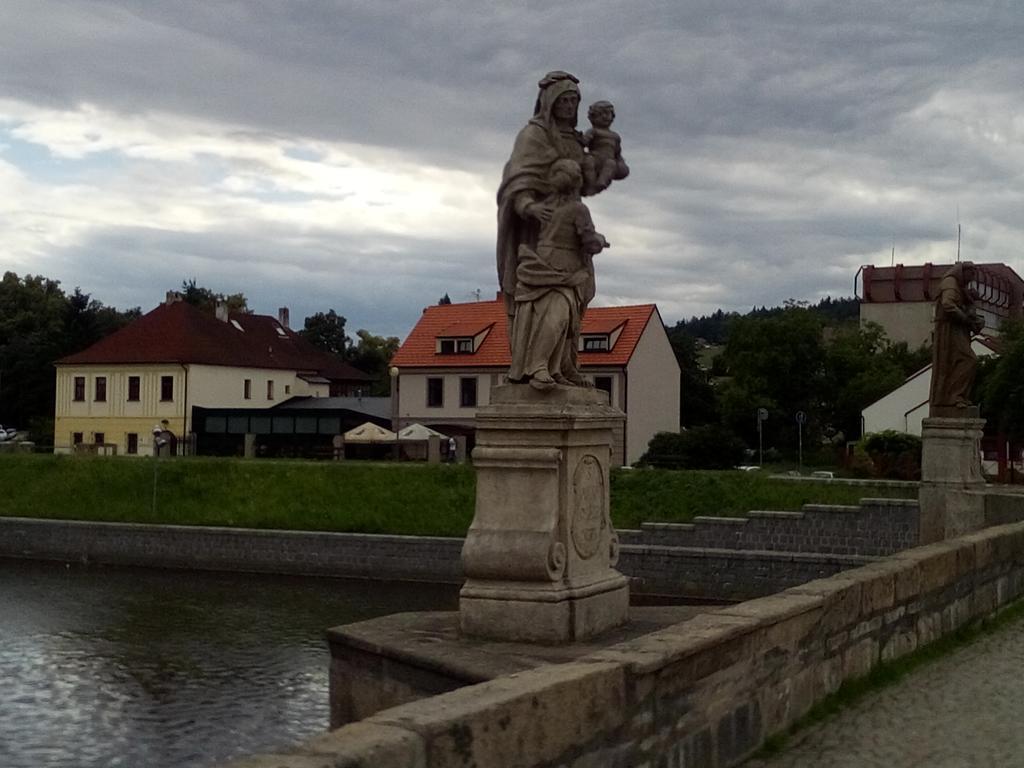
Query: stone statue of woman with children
x,y
546,237
539,557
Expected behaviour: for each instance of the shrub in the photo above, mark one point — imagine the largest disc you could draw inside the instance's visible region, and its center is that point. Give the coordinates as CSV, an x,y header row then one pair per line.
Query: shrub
x,y
861,464
704,447
895,455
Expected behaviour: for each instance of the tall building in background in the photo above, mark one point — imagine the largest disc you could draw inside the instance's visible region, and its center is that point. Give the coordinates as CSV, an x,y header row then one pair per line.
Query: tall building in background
x,y
901,298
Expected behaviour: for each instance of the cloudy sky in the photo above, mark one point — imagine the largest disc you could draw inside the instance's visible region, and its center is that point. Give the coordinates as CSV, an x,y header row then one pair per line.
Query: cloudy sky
x,y
344,154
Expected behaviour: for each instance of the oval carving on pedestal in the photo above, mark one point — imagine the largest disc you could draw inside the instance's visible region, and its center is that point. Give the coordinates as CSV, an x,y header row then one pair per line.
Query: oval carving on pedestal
x,y
588,514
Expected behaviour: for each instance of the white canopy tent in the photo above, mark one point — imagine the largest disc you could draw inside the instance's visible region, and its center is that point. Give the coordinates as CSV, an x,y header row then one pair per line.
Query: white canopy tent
x,y
369,433
419,432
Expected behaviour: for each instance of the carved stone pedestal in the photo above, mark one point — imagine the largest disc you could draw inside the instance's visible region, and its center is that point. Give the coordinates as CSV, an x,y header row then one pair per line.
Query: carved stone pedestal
x,y
951,497
539,556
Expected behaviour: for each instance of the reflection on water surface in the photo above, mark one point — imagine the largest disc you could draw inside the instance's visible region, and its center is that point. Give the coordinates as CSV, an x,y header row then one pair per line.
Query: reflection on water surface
x,y
104,667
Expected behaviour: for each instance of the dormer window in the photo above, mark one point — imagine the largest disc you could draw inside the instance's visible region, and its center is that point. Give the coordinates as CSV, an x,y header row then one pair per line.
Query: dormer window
x,y
601,335
462,338
462,346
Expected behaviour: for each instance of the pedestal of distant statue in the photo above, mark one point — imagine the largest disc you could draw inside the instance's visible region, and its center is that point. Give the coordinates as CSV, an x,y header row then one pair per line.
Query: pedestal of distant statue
x,y
539,555
952,484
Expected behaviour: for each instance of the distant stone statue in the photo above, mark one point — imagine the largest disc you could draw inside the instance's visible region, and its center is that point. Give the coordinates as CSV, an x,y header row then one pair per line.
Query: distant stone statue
x,y
603,163
953,361
549,291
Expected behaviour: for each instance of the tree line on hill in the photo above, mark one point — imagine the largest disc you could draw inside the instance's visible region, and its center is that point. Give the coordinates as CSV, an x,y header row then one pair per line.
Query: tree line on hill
x,y
41,323
714,328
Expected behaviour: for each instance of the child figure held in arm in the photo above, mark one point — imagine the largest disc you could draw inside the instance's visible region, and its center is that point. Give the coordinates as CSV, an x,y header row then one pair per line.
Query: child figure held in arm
x,y
603,162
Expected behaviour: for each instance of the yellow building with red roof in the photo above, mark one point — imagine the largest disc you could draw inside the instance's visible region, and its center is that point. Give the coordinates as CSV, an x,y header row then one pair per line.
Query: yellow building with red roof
x,y
152,373
456,353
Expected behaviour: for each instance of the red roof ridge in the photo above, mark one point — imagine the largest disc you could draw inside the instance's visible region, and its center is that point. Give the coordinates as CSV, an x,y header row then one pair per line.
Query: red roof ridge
x,y
179,333
419,350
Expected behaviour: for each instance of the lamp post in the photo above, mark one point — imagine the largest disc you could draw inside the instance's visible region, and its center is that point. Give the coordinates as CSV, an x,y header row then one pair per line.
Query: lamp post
x,y
762,417
159,441
393,373
801,419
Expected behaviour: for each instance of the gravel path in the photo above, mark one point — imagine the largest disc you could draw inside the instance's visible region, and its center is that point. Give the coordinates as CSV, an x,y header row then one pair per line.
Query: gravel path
x,y
962,711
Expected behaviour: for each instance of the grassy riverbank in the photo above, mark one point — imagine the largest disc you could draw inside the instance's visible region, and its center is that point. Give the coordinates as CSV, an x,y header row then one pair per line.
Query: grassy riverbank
x,y
353,496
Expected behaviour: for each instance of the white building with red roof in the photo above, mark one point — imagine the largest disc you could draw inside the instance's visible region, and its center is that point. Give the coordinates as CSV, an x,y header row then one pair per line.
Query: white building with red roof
x,y
456,353
175,358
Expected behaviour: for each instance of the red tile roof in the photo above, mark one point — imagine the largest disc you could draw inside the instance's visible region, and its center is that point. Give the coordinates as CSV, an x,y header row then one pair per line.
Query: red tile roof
x,y
601,324
180,333
417,351
464,328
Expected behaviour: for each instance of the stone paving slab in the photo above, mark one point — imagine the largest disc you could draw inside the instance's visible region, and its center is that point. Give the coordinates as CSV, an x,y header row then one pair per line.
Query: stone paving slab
x,y
965,710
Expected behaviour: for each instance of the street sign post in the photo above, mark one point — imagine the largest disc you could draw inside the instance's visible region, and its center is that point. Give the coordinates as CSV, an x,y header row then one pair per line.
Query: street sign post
x,y
762,417
801,419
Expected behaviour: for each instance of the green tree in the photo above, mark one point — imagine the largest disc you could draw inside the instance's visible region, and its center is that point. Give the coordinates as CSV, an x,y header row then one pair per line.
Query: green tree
x,y
697,402
1000,384
372,354
206,299
39,324
708,446
326,330
86,320
776,362
862,365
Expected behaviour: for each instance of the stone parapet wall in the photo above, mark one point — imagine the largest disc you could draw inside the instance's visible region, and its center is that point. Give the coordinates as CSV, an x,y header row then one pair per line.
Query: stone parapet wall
x,y
876,527
1004,505
725,574
705,692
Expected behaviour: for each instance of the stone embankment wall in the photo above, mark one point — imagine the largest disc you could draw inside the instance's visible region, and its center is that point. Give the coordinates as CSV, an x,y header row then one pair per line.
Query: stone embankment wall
x,y
875,527
706,692
729,574
417,558
724,574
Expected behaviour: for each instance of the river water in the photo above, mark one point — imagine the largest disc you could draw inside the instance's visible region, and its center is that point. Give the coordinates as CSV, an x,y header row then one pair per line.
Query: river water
x,y
111,667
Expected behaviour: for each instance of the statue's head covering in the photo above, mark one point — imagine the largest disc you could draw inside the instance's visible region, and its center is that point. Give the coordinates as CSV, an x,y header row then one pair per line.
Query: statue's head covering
x,y
960,270
553,85
962,273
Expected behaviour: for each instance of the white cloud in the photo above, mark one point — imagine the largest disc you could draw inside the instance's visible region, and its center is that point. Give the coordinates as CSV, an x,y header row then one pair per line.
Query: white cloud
x,y
347,156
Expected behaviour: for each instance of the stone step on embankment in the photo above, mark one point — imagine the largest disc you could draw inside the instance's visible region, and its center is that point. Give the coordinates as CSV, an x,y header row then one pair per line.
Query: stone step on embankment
x,y
875,527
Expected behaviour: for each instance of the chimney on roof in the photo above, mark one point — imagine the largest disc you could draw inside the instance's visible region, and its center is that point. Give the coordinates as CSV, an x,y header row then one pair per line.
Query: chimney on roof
x,y
221,311
282,316
172,298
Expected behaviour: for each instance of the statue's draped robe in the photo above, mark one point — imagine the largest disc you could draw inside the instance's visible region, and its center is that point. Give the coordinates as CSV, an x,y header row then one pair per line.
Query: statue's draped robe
x,y
953,361
554,284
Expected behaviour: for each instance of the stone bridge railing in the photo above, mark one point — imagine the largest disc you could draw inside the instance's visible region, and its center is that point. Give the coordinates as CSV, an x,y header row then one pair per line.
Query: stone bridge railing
x,y
705,692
